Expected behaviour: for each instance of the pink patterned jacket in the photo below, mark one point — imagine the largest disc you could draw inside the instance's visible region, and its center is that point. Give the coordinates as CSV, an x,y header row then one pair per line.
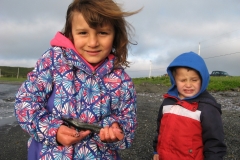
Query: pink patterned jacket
x,y
64,84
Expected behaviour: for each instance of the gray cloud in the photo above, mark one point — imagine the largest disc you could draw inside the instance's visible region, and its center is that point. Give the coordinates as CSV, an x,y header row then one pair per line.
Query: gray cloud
x,y
163,30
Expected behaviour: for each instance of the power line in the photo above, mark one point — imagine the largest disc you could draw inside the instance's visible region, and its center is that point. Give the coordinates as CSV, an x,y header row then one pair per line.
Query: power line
x,y
198,52
213,38
219,35
222,55
218,43
203,58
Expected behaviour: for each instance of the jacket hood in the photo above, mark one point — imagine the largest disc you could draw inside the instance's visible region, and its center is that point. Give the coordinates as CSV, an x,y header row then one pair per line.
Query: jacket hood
x,y
191,60
62,41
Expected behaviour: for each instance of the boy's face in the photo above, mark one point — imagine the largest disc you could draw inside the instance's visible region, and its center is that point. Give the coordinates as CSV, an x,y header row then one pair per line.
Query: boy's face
x,y
188,82
93,45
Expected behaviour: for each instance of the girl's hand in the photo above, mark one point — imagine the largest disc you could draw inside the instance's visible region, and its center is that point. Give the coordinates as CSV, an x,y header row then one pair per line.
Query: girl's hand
x,y
111,134
68,136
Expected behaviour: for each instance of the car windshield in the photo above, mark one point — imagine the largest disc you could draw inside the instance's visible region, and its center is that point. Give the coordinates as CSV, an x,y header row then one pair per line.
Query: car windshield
x,y
225,73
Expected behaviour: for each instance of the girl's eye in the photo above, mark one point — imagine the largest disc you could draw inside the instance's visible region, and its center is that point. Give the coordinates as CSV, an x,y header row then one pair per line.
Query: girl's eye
x,y
82,33
103,33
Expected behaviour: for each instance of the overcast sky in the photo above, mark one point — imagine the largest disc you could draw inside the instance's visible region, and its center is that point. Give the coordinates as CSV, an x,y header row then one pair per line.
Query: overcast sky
x,y
163,30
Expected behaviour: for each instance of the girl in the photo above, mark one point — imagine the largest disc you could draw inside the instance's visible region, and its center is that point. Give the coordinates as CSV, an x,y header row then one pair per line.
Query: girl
x,y
81,76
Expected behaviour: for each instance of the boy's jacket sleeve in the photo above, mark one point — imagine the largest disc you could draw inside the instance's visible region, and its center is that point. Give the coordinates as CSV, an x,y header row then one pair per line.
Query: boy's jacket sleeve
x,y
213,135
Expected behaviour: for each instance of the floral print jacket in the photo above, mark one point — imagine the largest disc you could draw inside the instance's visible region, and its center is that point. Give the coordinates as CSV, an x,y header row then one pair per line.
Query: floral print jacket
x,y
64,84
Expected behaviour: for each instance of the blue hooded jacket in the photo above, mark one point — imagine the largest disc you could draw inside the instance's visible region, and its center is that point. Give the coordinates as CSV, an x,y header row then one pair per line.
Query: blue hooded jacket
x,y
191,60
189,128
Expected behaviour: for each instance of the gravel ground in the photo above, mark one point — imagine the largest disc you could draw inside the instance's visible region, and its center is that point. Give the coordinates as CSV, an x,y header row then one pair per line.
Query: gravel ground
x,y
13,140
149,100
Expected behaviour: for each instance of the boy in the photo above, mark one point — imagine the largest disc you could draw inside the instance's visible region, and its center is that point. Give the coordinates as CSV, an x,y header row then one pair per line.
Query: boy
x,y
189,123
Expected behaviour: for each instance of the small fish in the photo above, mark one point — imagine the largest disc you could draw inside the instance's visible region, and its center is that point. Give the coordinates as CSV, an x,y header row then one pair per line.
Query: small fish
x,y
76,123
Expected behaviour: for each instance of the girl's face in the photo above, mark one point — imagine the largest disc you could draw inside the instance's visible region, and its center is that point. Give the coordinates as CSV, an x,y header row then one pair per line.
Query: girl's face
x,y
188,82
92,44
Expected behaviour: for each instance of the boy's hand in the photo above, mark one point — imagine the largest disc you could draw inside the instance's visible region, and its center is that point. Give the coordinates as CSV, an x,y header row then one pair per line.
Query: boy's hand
x,y
68,136
155,157
111,134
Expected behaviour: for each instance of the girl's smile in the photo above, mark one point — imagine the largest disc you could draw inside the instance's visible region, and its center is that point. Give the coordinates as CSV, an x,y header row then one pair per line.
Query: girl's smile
x,y
93,53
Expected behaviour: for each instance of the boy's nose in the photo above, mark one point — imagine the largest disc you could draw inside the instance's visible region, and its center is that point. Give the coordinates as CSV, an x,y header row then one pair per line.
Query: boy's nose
x,y
188,84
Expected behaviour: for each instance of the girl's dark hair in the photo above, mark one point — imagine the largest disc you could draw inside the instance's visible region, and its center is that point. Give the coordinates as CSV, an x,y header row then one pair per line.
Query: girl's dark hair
x,y
100,12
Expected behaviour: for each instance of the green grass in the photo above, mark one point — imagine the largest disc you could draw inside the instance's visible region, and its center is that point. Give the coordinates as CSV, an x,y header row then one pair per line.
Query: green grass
x,y
153,80
215,83
11,80
12,72
224,83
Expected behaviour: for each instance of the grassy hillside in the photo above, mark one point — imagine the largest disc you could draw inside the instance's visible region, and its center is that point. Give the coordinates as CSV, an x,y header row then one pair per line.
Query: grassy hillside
x,y
14,71
9,74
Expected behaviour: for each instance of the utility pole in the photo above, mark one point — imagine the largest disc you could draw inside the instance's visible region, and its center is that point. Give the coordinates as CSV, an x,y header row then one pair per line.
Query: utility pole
x,y
0,73
150,69
199,48
18,73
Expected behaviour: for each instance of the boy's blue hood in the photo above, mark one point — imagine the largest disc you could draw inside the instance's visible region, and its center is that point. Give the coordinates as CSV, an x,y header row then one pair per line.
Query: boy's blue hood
x,y
191,60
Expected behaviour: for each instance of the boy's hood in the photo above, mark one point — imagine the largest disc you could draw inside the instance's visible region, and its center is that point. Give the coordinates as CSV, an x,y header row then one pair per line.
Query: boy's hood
x,y
191,60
